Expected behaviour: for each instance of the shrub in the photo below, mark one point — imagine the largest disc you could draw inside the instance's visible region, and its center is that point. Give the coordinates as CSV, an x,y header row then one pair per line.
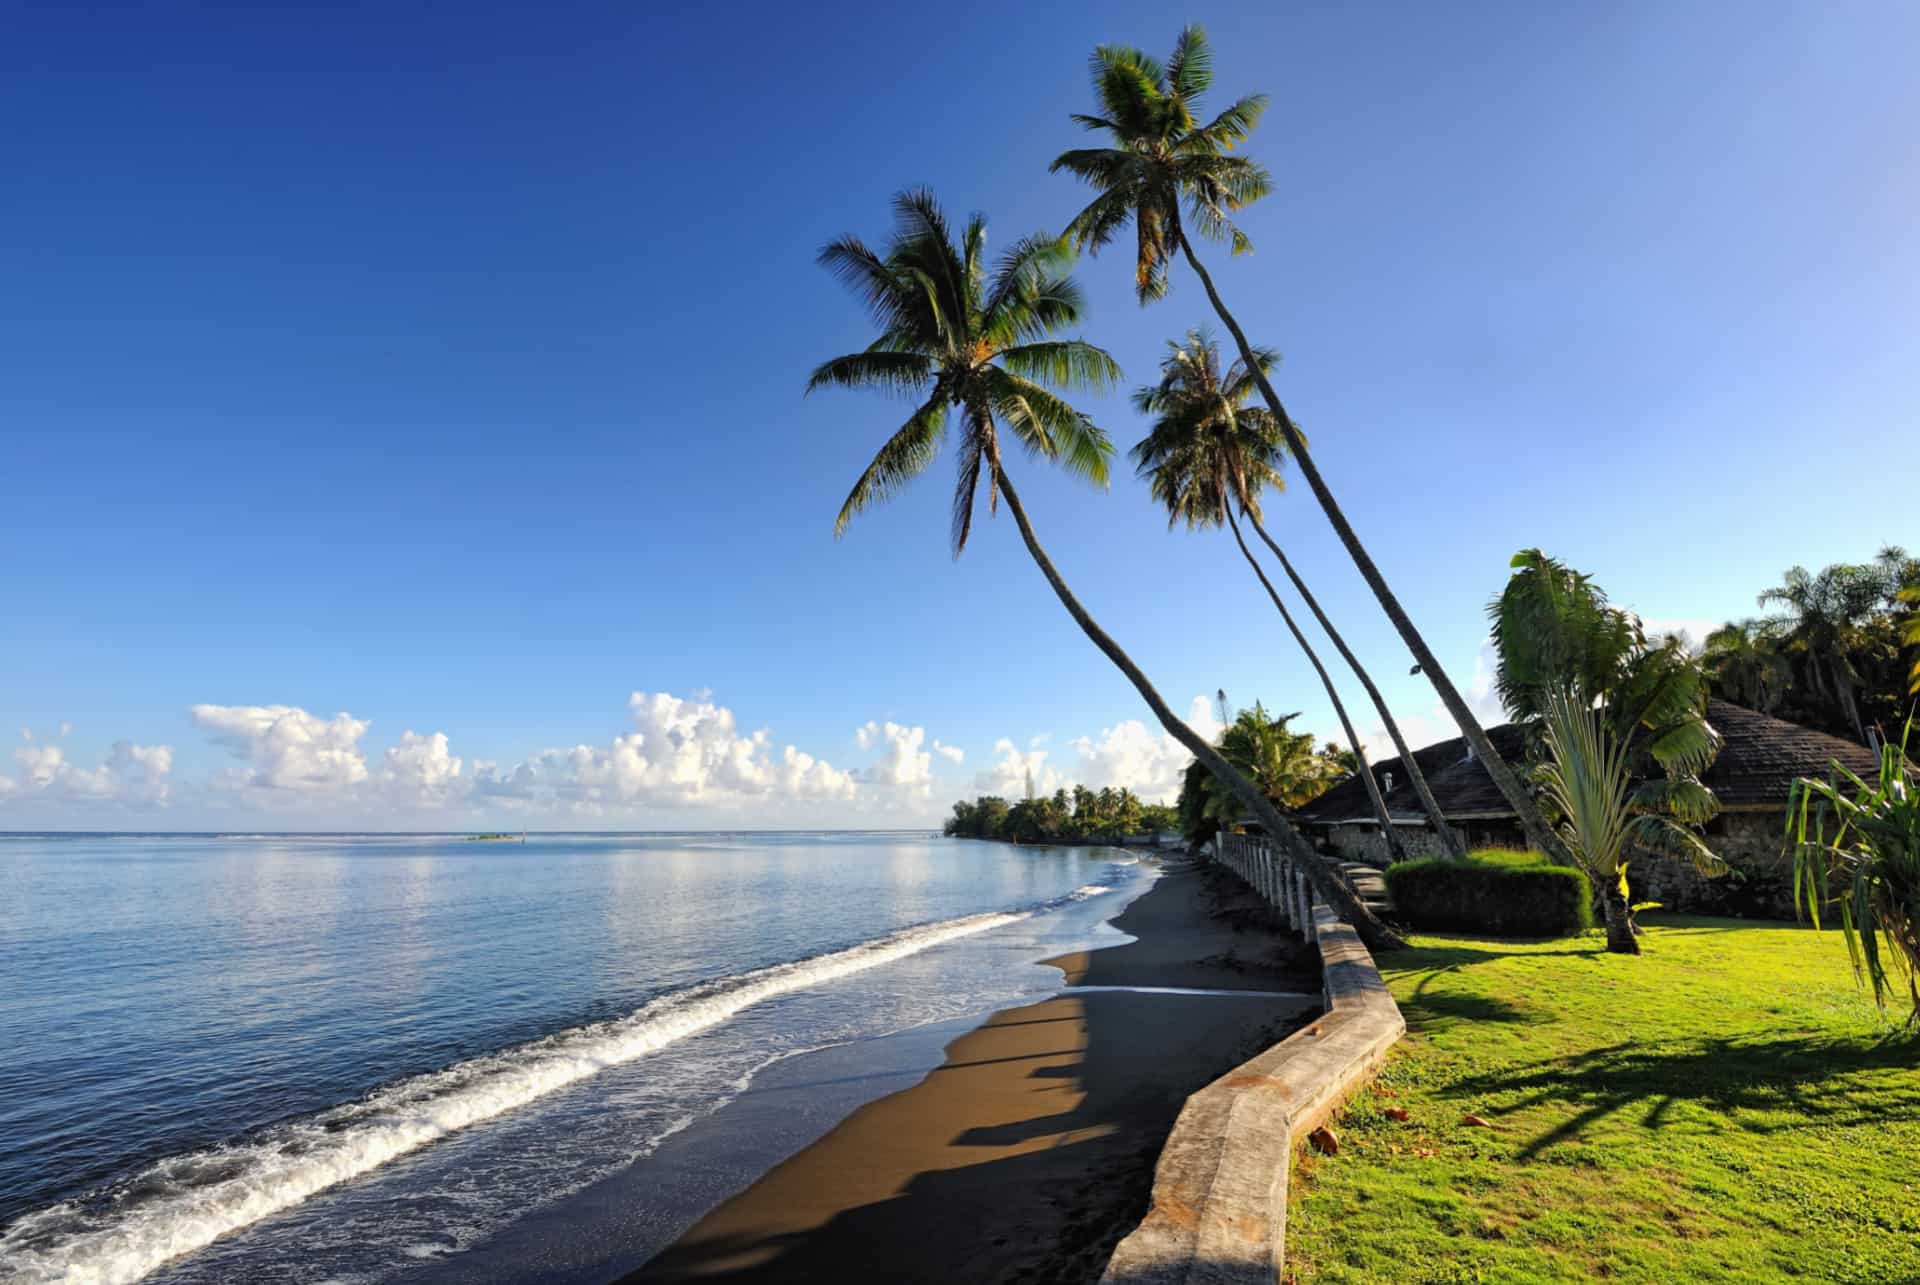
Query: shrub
x,y
1501,893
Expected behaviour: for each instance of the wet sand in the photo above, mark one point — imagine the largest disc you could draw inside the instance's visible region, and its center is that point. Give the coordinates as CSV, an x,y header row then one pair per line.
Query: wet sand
x,y
1030,1151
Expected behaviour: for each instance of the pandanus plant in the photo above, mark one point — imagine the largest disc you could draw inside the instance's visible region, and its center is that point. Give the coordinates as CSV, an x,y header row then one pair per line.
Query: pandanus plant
x,y
1856,847
961,336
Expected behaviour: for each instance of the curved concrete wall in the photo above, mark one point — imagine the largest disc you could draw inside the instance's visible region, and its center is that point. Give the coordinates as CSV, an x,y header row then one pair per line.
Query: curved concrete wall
x,y
1219,1211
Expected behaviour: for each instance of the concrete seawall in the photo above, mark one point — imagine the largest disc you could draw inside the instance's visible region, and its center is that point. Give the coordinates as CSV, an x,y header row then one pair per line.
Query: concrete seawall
x,y
1219,1211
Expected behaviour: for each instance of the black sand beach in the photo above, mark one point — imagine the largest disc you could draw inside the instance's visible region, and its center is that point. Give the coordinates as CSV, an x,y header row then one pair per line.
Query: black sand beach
x,y
1030,1151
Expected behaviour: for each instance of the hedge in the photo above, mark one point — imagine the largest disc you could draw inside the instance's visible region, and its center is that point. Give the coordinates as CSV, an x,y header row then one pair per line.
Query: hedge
x,y
1503,894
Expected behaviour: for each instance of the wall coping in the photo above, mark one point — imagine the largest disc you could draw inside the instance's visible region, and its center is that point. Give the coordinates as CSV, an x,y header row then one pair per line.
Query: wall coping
x,y
1219,1211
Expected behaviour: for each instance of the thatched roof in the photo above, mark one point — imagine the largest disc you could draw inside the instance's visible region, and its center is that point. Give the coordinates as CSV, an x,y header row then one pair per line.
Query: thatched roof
x,y
1756,768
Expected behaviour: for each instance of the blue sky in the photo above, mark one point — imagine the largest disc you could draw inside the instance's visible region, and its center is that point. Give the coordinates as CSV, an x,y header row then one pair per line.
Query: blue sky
x,y
439,370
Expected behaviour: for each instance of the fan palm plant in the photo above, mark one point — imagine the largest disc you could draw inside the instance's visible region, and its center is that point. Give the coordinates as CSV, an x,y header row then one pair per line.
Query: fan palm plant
x,y
1622,722
1165,173
1873,854
960,335
1209,452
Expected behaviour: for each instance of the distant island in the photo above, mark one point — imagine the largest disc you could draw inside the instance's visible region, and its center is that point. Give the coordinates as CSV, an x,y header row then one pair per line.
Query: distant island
x,y
496,838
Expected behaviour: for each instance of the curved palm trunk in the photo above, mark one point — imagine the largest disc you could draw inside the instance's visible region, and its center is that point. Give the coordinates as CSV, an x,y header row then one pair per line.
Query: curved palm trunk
x,y
1334,890
1394,848
1516,794
1431,806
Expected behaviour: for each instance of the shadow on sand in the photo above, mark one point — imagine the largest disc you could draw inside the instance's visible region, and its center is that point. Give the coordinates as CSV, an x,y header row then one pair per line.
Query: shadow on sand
x,y
1029,1153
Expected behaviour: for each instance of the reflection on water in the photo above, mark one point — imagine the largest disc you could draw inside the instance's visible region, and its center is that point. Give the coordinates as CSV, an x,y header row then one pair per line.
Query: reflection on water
x,y
170,995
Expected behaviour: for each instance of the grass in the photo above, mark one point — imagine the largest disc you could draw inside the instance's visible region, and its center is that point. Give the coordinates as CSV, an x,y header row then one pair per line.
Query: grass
x,y
1728,1106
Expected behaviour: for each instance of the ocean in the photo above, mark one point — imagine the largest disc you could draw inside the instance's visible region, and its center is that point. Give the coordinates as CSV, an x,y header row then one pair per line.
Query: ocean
x,y
364,1058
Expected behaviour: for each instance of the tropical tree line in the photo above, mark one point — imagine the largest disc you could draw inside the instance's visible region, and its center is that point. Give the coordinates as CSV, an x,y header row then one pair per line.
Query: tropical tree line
x,y
982,345
1839,651
1078,816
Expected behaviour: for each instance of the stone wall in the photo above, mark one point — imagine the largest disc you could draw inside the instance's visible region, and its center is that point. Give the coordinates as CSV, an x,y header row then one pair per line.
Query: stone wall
x,y
1364,842
1761,887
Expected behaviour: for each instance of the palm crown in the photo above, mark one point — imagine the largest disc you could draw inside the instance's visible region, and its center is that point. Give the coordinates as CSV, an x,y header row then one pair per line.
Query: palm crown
x,y
1207,448
957,335
1161,156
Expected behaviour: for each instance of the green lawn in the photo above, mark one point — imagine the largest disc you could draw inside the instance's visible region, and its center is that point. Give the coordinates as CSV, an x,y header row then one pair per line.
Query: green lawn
x,y
1726,1107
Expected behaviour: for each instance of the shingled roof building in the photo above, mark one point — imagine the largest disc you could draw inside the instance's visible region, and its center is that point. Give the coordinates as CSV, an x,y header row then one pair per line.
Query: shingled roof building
x,y
1758,763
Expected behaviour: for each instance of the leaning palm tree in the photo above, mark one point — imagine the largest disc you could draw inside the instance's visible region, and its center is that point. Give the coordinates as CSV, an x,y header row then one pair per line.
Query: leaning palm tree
x,y
1206,444
1161,160
959,335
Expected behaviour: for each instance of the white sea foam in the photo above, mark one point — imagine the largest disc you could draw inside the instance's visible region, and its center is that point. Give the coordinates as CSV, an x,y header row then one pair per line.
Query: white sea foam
x,y
188,1201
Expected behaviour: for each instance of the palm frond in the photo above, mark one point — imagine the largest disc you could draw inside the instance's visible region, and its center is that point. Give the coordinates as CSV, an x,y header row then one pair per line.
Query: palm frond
x,y
1101,166
896,372
1101,220
906,454
1190,68
966,486
1667,838
1125,80
1064,363
889,300
1047,426
1682,797
1228,128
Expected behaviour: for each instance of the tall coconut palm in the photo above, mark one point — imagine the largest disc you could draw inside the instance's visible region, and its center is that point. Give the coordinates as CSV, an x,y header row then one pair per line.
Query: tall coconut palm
x,y
959,335
1204,431
1165,173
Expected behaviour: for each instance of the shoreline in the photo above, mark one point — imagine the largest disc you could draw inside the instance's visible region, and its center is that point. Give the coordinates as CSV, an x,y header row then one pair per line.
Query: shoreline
x,y
1028,1152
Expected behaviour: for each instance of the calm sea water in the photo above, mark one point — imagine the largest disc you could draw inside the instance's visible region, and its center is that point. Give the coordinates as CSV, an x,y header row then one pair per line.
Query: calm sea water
x,y
308,1058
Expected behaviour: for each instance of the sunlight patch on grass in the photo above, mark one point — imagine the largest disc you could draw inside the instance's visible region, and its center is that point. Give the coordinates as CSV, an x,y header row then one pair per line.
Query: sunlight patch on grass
x,y
1725,1107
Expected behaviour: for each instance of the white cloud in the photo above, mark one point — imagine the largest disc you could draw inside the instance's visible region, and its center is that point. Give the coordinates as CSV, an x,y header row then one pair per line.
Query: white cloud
x,y
1129,754
1150,762
288,748
680,752
421,770
1010,775
131,774
903,765
683,752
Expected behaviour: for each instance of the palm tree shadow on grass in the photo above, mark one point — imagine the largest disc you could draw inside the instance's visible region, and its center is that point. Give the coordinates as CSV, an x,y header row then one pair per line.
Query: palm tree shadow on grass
x,y
1760,1086
1429,1011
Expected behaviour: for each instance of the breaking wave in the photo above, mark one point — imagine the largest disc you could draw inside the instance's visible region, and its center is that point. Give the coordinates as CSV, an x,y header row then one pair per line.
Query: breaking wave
x,y
185,1202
